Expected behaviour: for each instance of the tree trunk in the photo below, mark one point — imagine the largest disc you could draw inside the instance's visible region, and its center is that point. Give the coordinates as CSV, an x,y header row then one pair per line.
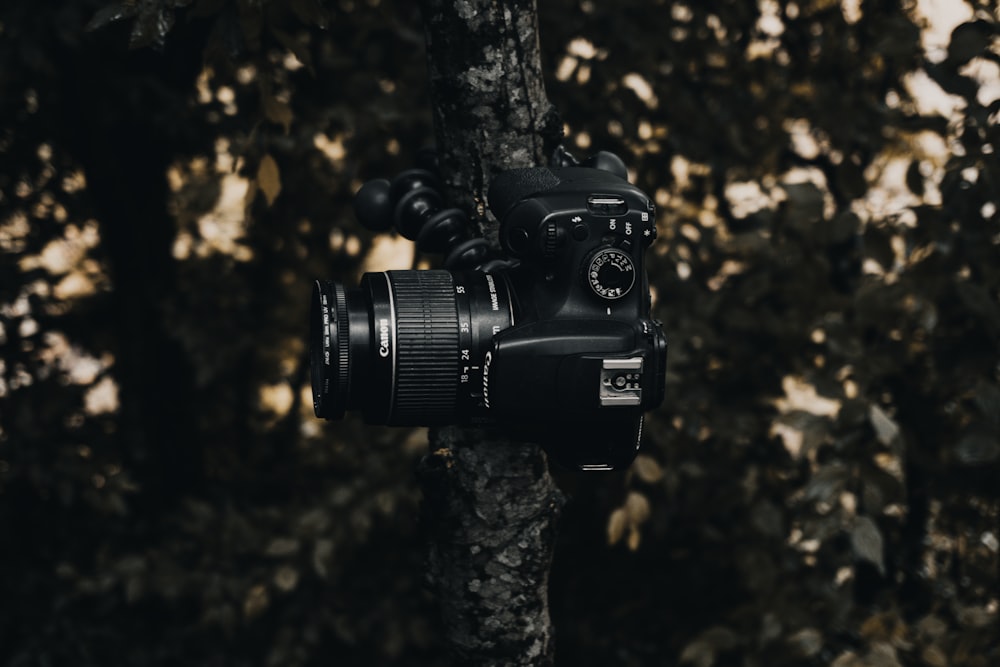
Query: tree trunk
x,y
488,95
490,504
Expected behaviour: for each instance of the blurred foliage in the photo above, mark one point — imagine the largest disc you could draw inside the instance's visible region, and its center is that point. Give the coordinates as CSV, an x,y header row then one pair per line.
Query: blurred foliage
x,y
819,487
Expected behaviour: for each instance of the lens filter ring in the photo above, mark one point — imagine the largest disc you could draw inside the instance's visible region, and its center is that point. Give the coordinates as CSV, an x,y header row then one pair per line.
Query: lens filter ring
x,y
329,349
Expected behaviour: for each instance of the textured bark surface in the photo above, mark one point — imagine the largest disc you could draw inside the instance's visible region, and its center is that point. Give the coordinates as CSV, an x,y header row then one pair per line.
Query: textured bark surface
x,y
490,510
488,93
490,504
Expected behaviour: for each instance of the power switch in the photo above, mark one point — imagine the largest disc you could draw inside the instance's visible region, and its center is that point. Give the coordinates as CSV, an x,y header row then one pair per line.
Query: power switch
x,y
607,205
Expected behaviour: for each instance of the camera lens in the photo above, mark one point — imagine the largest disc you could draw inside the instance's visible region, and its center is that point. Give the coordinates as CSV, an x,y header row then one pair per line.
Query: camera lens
x,y
406,347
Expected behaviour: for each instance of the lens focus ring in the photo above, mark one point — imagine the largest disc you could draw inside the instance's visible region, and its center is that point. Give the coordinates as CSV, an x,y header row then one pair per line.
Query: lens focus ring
x,y
343,341
427,346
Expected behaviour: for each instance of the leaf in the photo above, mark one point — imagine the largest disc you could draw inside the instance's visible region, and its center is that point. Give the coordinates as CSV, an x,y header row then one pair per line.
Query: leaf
x,y
914,179
269,179
804,206
152,23
647,469
806,643
286,578
968,41
322,557
634,537
702,651
282,546
637,507
768,518
616,525
256,601
109,15
251,196
297,47
866,541
881,484
977,447
987,399
277,111
883,627
886,430
848,659
934,656
827,483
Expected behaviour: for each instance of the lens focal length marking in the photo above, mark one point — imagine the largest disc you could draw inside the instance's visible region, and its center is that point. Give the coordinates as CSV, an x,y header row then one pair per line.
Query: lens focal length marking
x,y
485,308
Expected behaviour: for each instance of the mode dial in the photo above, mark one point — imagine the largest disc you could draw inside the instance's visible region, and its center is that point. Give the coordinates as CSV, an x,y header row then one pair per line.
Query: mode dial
x,y
610,273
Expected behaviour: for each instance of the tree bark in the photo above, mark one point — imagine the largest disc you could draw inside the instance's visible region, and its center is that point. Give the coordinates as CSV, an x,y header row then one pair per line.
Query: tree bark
x,y
490,504
488,95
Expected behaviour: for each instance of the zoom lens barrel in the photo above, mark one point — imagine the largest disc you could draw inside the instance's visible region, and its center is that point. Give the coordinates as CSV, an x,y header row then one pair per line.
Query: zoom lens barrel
x,y
426,361
406,347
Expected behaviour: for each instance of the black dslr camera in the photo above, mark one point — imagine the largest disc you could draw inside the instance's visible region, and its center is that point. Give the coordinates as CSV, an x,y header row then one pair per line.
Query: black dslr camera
x,y
553,342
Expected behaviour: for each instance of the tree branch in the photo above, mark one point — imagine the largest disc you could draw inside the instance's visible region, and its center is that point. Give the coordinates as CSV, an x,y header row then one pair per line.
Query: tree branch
x,y
490,504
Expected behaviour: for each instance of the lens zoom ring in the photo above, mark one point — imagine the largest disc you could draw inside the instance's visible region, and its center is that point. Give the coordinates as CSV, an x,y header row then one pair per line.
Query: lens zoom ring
x,y
427,346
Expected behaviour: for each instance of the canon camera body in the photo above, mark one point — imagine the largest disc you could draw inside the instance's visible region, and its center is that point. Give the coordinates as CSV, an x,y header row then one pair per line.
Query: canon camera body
x,y
553,343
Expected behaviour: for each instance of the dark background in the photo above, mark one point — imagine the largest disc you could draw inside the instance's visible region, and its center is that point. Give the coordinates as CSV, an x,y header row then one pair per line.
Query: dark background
x,y
820,486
